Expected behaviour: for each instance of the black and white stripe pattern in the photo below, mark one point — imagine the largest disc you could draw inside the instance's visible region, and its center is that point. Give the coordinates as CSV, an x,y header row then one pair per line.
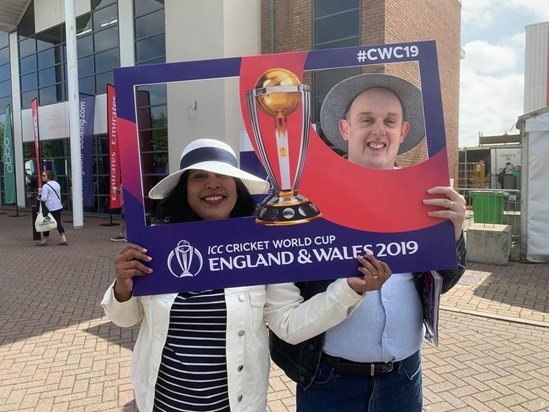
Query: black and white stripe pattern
x,y
193,372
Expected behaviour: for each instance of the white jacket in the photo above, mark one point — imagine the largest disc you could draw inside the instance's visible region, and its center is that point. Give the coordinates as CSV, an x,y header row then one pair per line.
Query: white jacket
x,y
247,348
51,195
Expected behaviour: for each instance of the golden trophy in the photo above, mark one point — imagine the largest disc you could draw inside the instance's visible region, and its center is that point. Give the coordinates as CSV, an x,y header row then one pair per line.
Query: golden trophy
x,y
278,93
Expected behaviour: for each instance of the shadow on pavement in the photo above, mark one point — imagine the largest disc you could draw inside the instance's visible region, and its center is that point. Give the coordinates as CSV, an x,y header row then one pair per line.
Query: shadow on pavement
x,y
524,285
123,337
43,289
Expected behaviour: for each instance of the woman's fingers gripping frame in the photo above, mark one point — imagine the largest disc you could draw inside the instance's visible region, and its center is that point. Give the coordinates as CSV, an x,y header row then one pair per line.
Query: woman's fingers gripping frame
x,y
374,274
130,260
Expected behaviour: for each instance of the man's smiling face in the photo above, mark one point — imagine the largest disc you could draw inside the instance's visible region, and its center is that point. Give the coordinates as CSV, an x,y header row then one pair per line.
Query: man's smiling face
x,y
374,128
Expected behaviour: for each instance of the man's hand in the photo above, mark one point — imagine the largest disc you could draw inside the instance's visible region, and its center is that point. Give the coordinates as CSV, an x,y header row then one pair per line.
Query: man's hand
x,y
452,206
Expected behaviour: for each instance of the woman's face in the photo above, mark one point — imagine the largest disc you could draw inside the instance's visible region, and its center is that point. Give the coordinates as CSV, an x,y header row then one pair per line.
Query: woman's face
x,y
45,177
211,196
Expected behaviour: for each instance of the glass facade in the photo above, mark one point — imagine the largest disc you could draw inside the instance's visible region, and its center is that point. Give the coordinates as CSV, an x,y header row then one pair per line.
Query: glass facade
x,y
97,43
42,62
151,100
101,181
149,30
335,24
43,56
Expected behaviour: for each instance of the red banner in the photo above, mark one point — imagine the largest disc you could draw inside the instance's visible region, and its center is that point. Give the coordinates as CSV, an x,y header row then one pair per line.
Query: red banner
x,y
34,111
115,200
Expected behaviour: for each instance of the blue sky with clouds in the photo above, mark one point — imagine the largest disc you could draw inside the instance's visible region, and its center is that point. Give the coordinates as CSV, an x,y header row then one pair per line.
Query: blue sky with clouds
x,y
492,73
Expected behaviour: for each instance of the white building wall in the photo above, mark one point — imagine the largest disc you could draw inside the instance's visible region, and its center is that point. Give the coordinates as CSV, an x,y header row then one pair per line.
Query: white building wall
x,y
536,71
48,13
199,30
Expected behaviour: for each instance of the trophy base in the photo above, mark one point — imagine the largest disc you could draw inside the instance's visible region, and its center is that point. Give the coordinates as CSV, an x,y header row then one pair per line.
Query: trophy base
x,y
287,208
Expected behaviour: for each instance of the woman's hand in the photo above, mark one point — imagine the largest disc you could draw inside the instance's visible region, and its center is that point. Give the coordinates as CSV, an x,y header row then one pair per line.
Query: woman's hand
x,y
375,274
129,263
452,206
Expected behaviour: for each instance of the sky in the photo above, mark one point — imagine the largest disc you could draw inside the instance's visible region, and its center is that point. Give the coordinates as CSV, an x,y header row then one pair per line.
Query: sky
x,y
492,72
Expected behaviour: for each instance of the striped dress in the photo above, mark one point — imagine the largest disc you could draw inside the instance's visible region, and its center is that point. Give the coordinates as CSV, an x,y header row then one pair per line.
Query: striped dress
x,y
193,371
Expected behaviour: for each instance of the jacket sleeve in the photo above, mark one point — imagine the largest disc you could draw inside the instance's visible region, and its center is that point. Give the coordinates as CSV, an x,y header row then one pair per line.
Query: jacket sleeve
x,y
123,314
295,320
451,277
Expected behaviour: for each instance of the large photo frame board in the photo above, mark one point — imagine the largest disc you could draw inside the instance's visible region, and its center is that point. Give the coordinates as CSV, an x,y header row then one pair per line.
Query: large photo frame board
x,y
362,209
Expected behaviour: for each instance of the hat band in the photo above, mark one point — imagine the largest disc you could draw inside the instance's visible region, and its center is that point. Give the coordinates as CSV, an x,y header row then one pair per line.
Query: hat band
x,y
207,154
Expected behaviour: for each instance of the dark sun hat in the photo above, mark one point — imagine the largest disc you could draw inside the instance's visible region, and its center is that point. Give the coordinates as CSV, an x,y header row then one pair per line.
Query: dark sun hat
x,y
339,99
212,156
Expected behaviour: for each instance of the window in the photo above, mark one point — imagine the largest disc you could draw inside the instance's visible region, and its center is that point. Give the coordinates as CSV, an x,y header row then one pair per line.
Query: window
x,y
42,61
152,123
152,109
335,24
150,42
97,43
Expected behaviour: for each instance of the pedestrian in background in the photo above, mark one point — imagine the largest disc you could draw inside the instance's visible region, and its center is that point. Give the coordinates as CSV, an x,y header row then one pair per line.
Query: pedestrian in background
x,y
501,175
50,198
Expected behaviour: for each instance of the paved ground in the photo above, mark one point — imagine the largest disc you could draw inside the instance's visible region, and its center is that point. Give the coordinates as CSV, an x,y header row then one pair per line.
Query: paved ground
x,y
59,353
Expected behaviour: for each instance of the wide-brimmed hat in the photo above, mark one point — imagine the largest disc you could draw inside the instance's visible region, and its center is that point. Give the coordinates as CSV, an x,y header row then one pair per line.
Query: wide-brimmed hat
x,y
212,156
339,99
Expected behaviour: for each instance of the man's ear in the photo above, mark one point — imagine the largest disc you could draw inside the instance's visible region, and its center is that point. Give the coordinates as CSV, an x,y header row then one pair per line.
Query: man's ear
x,y
344,128
404,130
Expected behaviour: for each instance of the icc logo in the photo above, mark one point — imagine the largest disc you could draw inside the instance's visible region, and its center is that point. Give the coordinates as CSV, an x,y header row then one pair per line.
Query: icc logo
x,y
184,260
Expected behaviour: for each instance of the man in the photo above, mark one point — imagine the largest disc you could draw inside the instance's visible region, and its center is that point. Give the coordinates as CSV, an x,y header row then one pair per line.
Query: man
x,y
501,175
371,361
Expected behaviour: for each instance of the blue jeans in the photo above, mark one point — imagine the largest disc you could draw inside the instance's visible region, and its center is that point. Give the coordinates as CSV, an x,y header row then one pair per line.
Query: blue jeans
x,y
398,391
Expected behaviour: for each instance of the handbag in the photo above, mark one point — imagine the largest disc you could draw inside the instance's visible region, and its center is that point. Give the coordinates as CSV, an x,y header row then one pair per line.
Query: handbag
x,y
44,223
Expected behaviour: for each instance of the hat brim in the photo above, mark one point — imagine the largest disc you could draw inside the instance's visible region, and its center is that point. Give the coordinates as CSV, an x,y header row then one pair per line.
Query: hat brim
x,y
340,97
254,184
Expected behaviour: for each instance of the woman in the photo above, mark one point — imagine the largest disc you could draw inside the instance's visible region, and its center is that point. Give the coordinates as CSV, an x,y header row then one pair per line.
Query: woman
x,y
50,197
208,350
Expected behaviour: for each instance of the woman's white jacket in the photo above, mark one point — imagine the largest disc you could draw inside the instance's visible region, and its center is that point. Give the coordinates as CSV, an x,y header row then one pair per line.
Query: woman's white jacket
x,y
248,308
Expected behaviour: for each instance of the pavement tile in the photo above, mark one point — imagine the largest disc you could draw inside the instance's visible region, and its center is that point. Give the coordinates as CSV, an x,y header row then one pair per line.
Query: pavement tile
x,y
59,353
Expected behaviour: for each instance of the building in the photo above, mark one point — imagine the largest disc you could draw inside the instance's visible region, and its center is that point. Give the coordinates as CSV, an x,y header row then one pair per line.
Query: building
x,y
35,62
315,24
534,133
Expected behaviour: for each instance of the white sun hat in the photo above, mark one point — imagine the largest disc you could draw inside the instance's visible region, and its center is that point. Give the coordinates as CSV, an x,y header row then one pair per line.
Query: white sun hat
x,y
212,156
